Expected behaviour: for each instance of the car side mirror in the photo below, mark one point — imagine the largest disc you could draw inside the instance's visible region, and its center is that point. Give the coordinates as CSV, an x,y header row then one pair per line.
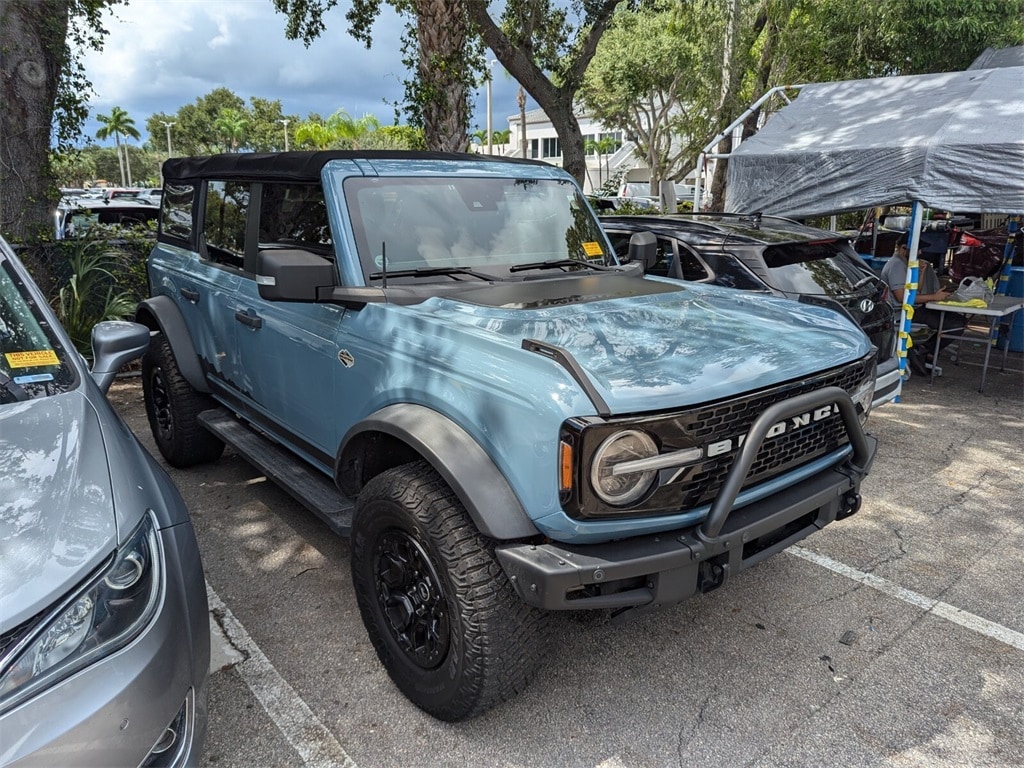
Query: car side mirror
x,y
293,275
643,249
114,343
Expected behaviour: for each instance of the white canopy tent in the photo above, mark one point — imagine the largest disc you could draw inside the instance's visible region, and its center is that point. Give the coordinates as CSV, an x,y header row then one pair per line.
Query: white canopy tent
x,y
952,141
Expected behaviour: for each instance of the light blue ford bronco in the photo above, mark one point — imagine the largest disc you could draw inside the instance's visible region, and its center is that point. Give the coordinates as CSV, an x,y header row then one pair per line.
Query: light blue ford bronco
x,y
441,356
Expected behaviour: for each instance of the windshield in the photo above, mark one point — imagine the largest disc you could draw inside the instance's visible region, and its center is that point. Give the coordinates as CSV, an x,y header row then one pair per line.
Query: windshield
x,y
825,268
32,362
465,227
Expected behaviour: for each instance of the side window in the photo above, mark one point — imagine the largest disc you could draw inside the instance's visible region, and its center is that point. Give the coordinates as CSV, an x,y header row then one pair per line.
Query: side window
x,y
693,268
620,243
295,216
662,266
227,210
176,211
729,272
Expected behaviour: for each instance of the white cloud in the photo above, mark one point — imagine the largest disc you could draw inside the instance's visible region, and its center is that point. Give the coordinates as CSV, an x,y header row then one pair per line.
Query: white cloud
x,y
160,55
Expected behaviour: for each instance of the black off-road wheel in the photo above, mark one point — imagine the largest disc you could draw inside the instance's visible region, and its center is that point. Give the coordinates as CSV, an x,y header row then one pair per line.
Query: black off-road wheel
x,y
173,406
440,612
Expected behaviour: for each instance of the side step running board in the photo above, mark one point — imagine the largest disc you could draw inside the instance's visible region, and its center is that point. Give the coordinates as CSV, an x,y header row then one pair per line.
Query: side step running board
x,y
311,488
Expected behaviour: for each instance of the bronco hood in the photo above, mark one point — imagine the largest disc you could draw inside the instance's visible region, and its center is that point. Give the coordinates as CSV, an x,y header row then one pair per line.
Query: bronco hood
x,y
651,345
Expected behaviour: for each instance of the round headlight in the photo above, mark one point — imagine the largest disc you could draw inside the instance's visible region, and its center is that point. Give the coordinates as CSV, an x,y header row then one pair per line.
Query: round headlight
x,y
614,483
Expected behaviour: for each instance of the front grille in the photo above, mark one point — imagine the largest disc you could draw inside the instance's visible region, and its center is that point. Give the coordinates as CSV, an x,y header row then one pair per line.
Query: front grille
x,y
778,454
682,489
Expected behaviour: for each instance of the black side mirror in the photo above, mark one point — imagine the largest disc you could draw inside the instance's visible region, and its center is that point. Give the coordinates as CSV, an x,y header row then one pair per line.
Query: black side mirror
x,y
643,249
293,275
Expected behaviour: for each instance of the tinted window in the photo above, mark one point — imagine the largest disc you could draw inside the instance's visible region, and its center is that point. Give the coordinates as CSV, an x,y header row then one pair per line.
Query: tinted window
x,y
729,272
176,211
691,266
814,268
294,216
227,211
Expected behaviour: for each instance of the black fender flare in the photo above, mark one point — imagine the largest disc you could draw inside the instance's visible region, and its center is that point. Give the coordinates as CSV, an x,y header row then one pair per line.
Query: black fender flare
x,y
454,454
160,313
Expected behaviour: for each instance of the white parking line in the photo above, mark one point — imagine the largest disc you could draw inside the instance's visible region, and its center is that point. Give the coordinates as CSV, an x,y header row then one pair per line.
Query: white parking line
x,y
315,744
944,610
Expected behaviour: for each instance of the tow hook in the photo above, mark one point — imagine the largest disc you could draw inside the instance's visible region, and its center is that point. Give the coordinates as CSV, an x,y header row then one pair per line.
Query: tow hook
x,y
851,504
711,573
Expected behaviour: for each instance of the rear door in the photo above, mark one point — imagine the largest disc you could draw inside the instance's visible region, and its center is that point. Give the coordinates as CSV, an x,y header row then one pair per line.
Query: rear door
x,y
198,264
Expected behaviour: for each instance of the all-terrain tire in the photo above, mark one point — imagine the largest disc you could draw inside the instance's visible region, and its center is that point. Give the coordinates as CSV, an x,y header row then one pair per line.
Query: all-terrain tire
x,y
444,619
173,406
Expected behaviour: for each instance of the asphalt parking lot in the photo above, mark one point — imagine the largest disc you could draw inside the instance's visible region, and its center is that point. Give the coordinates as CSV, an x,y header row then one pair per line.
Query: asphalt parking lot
x,y
894,638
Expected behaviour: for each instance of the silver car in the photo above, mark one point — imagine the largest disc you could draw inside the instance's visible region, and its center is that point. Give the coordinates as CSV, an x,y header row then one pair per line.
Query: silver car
x,y
104,628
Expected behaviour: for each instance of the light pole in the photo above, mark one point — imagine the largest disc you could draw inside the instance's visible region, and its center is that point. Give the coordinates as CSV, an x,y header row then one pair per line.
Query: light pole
x,y
490,133
285,124
168,127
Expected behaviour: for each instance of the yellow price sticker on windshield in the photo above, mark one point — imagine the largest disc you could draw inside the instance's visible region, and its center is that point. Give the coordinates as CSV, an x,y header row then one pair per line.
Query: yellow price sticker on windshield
x,y
32,359
593,249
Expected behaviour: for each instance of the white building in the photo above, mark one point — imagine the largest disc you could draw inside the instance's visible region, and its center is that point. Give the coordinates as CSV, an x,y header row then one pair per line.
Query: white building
x,y
542,143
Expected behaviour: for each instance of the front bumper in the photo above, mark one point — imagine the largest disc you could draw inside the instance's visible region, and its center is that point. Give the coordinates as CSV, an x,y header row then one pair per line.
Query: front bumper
x,y
887,382
114,711
650,572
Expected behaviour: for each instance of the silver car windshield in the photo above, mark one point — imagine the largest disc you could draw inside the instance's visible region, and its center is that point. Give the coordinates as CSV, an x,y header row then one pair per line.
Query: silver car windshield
x,y
499,227
32,362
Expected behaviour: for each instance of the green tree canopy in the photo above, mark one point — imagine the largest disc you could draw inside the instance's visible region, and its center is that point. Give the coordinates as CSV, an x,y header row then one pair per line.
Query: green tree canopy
x,y
640,82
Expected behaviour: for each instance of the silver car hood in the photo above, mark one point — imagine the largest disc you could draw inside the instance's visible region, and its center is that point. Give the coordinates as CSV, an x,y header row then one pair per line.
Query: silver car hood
x,y
57,521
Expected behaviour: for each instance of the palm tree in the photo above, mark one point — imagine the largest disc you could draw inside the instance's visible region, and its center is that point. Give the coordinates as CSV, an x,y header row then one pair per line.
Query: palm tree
x,y
351,130
315,134
231,124
118,124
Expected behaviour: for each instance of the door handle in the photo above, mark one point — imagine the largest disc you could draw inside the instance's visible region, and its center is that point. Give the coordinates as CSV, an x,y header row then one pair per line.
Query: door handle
x,y
188,293
253,321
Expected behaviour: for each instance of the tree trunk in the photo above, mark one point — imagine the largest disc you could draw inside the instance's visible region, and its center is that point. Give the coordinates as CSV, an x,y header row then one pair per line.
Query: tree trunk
x,y
556,101
521,101
31,57
730,84
442,31
120,157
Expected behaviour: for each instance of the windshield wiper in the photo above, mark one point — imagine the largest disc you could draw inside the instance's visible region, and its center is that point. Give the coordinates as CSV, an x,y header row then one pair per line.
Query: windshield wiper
x,y
558,264
432,272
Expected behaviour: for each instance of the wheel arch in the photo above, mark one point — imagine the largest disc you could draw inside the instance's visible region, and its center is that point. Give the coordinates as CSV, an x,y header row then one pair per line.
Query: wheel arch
x,y
160,313
398,434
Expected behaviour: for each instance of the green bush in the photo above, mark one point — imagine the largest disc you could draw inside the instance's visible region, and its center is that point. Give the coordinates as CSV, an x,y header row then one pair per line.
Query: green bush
x,y
91,279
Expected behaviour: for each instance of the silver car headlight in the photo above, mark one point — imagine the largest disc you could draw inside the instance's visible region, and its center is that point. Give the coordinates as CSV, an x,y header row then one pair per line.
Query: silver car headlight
x,y
102,617
614,473
862,398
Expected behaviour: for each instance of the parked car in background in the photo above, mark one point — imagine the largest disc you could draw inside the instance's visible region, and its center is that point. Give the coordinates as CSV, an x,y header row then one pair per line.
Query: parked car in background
x,y
73,218
104,625
149,195
777,256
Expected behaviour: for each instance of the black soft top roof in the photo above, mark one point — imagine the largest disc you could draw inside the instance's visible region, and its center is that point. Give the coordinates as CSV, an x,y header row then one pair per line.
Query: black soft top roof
x,y
299,166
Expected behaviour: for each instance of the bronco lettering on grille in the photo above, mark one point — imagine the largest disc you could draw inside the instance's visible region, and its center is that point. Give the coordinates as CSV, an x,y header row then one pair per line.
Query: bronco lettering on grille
x,y
719,447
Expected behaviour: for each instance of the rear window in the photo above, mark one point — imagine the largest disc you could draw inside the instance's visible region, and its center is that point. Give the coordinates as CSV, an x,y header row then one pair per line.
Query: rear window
x,y
823,268
176,211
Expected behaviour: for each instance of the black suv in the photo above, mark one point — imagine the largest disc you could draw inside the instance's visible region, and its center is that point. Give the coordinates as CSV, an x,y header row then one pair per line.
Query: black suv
x,y
776,255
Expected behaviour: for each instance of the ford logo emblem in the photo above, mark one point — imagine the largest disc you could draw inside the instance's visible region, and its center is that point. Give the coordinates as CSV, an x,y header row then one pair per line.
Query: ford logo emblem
x,y
866,305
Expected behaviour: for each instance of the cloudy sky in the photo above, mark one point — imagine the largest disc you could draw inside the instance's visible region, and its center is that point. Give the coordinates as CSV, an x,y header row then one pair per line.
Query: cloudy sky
x,y
162,54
